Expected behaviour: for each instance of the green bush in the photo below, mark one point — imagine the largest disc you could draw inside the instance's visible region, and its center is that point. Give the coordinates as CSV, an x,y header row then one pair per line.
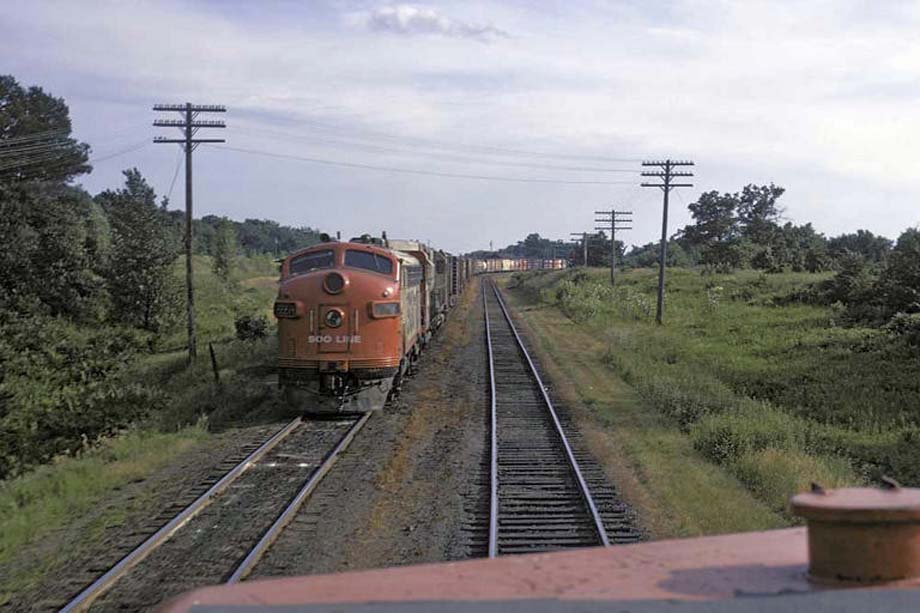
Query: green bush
x,y
251,327
60,388
685,403
905,326
582,299
726,437
894,453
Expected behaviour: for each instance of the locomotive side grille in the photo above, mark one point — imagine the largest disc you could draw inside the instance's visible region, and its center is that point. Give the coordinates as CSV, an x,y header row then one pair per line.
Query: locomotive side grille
x,y
388,362
298,363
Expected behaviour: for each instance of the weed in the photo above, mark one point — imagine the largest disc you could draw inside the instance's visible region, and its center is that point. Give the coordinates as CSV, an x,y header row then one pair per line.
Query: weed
x,y
775,475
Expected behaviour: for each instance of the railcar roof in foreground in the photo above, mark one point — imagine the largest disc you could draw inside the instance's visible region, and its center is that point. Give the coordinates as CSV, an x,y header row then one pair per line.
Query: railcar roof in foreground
x,y
760,571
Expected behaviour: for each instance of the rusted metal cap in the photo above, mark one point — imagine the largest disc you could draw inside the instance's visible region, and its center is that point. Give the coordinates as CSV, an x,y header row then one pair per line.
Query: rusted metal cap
x,y
862,535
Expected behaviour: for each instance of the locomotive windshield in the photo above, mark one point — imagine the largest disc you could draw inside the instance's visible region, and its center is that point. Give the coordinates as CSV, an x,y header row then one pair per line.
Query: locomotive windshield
x,y
369,261
311,261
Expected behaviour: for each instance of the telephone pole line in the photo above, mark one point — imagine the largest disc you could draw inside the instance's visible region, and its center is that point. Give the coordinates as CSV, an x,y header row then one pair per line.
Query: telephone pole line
x,y
666,174
584,246
613,220
189,126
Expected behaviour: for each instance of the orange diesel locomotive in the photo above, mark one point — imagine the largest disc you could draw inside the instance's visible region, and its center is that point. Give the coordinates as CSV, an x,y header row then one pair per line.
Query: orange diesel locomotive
x,y
352,317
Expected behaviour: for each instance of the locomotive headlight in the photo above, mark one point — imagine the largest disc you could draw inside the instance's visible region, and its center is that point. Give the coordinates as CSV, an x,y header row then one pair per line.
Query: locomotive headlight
x,y
333,319
334,283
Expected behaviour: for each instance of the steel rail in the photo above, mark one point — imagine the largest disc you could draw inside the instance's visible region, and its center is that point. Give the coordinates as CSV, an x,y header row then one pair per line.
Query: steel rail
x,y
86,597
255,554
573,463
493,436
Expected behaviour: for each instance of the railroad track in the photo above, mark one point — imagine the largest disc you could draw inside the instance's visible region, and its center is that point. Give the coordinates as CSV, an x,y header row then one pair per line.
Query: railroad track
x,y
544,493
265,490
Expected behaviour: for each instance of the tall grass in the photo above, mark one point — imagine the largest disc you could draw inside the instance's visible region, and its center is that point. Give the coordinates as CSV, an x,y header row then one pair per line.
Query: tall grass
x,y
763,384
34,504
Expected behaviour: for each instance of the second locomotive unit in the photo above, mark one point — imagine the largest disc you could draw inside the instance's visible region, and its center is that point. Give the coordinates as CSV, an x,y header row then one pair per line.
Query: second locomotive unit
x,y
353,316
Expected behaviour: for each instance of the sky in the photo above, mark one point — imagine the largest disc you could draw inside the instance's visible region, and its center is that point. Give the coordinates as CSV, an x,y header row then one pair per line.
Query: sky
x,y
465,123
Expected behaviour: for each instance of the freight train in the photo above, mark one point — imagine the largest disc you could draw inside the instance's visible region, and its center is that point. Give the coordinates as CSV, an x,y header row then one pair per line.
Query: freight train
x,y
517,264
354,316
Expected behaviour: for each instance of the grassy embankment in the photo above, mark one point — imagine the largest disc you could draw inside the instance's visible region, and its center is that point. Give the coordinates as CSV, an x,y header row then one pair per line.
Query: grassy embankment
x,y
741,381
46,499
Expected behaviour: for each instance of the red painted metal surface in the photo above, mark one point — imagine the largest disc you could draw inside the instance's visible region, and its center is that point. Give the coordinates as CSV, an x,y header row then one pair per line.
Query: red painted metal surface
x,y
709,568
309,342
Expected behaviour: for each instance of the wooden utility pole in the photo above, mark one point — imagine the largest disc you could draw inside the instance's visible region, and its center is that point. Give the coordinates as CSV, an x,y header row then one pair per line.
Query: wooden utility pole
x,y
584,246
189,126
612,220
666,174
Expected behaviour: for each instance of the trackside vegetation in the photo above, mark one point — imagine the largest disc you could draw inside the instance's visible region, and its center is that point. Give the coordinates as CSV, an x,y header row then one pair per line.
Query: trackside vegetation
x,y
778,389
95,391
92,292
674,490
153,405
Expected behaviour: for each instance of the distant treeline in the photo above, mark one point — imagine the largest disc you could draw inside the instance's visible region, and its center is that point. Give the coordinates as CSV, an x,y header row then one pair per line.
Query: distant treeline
x,y
729,231
254,236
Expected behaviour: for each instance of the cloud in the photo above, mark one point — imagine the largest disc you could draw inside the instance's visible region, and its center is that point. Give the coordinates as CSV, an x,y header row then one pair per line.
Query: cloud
x,y
813,97
409,20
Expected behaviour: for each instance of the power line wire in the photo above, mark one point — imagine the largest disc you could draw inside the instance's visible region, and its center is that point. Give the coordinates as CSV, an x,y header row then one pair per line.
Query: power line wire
x,y
462,146
20,164
16,164
32,149
415,171
445,156
4,142
129,149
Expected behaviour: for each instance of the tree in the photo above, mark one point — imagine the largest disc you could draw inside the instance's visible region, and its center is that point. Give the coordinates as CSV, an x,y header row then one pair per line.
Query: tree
x,y
533,246
799,248
646,256
224,250
264,236
758,214
898,286
145,292
851,284
35,141
51,240
871,247
599,250
715,231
